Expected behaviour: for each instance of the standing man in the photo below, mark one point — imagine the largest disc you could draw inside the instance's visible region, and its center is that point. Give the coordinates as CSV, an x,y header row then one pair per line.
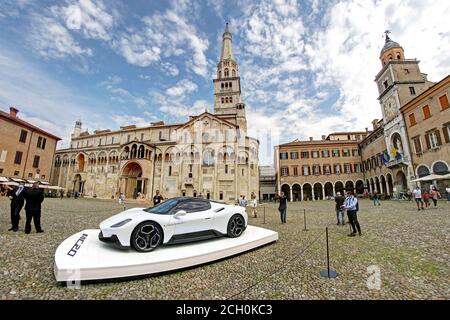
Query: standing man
x,y
34,198
448,193
418,197
283,206
339,199
254,204
376,198
157,198
17,200
351,205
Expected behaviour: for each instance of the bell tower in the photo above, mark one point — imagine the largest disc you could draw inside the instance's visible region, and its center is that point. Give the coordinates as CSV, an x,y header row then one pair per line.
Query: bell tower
x,y
227,85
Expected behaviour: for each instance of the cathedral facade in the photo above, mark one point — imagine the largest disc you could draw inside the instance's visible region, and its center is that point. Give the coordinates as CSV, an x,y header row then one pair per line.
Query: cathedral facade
x,y
209,155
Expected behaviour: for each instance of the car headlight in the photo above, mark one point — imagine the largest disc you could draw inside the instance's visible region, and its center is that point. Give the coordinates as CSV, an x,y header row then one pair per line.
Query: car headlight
x,y
121,223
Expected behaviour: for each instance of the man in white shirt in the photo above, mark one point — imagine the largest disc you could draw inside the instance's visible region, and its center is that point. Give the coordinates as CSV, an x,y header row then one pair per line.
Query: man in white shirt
x,y
417,193
351,205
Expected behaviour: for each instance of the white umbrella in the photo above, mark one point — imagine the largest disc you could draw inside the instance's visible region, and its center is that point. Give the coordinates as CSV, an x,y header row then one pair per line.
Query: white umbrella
x,y
10,183
3,179
432,177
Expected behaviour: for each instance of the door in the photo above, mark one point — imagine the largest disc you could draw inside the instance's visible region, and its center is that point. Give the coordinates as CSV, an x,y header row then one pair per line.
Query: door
x,y
199,217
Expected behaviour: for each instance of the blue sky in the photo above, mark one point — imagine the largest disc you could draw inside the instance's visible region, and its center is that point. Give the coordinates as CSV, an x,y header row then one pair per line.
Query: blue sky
x,y
307,67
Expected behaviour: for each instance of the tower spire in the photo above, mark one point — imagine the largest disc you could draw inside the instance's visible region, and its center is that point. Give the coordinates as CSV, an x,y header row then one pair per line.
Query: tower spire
x,y
227,49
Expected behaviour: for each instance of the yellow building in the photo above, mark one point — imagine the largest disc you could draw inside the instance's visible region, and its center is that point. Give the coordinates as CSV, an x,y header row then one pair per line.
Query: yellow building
x,y
318,169
428,125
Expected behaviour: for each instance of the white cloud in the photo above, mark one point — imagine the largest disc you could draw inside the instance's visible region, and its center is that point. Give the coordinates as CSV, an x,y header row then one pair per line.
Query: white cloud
x,y
89,17
165,35
51,39
182,88
43,100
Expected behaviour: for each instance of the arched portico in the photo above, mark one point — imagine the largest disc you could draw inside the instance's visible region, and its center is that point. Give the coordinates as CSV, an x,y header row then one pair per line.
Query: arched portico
x,y
132,181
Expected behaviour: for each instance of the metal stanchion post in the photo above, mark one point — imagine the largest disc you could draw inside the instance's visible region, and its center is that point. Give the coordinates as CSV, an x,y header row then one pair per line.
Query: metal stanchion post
x,y
329,273
304,220
264,215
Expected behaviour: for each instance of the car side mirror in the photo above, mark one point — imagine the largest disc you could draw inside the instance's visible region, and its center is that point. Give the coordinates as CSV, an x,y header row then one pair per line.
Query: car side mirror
x,y
180,213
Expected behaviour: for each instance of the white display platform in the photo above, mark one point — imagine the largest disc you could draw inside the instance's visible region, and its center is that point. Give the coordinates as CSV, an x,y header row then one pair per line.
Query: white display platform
x,y
83,256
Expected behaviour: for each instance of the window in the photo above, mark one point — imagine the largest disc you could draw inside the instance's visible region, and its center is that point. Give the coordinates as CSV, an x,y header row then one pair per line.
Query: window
x,y
112,140
243,172
36,161
304,154
355,152
295,171
443,101
358,168
3,155
284,171
347,168
226,72
226,168
23,136
337,168
221,196
30,175
193,206
315,154
16,173
18,157
445,130
417,145
306,170
325,153
316,169
99,142
128,138
412,91
385,83
327,169
170,171
294,155
283,155
1,170
346,153
41,142
336,153
426,112
433,139
412,119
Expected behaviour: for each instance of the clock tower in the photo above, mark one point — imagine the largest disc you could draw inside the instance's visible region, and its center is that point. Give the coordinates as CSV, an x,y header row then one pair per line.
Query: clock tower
x,y
399,81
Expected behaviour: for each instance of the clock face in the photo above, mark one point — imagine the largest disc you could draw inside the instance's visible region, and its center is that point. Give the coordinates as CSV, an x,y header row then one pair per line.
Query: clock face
x,y
390,108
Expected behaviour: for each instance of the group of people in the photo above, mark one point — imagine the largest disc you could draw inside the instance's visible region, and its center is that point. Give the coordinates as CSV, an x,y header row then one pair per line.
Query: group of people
x,y
242,202
32,199
422,199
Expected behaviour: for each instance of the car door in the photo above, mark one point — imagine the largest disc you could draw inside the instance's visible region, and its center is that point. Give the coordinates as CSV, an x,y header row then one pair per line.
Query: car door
x,y
199,217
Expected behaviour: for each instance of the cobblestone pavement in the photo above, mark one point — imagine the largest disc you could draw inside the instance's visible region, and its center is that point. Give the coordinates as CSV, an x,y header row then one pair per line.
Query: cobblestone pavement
x,y
410,248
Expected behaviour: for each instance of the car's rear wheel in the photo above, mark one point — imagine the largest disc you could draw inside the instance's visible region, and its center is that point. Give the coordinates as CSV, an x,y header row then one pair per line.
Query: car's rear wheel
x,y
146,236
236,226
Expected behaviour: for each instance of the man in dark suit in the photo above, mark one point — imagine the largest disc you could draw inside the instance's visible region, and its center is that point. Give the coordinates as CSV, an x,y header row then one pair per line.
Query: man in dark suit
x,y
34,198
17,199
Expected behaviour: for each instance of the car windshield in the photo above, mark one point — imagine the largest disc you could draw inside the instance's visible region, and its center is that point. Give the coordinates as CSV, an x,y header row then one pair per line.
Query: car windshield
x,y
164,207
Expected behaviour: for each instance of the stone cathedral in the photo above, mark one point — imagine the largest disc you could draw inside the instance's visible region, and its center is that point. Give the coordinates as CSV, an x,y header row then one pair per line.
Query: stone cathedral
x,y
209,155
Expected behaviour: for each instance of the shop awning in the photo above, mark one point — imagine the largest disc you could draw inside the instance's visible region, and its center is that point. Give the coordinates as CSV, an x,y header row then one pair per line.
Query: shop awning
x,y
3,179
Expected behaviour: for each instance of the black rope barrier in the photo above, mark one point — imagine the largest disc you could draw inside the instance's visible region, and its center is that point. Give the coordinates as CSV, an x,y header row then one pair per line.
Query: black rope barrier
x,y
270,274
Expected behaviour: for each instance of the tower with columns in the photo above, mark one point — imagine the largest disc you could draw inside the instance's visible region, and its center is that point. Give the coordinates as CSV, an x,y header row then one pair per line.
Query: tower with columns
x,y
227,85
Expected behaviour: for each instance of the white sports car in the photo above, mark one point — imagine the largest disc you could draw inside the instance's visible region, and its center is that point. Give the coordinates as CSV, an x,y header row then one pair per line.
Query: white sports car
x,y
176,220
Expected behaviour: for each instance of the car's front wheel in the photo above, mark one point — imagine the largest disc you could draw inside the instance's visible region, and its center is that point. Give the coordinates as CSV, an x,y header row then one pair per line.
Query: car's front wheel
x,y
236,226
146,236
